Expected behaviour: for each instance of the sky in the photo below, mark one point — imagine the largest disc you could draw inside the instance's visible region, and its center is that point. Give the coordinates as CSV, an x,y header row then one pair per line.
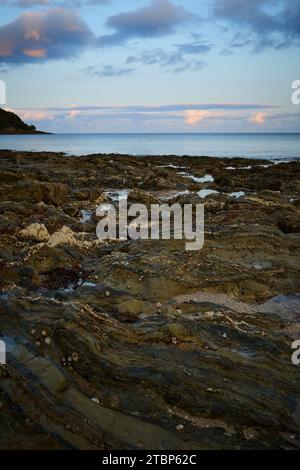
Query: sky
x,y
152,65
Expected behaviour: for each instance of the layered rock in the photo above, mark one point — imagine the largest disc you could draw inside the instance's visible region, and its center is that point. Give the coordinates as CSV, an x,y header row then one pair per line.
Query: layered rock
x,y
141,344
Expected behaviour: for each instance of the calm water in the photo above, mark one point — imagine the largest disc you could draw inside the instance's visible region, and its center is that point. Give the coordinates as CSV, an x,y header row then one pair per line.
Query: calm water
x,y
268,146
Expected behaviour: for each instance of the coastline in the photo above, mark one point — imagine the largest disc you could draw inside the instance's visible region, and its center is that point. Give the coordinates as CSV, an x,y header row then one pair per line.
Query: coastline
x,y
20,132
185,350
256,146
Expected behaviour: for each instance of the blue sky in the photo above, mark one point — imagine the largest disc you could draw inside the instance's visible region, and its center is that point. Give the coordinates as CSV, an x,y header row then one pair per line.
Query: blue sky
x,y
152,65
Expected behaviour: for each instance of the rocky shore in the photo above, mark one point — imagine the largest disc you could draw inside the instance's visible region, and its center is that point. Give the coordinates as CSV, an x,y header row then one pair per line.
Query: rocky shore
x,y
142,344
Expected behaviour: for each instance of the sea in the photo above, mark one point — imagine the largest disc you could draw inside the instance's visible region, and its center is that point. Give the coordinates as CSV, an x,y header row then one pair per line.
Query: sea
x,y
266,146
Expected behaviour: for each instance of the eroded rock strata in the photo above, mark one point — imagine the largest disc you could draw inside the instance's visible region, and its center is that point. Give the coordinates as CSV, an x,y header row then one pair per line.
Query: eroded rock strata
x,y
141,344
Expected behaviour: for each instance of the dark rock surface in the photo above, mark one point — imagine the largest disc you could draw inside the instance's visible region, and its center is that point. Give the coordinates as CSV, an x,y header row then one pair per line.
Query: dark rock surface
x,y
141,344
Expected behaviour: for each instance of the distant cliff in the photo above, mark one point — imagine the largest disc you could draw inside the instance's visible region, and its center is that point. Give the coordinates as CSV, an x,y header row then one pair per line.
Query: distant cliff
x,y
10,123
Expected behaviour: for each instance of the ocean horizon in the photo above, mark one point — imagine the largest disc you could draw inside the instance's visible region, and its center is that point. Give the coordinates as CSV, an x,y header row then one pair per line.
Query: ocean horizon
x,y
270,146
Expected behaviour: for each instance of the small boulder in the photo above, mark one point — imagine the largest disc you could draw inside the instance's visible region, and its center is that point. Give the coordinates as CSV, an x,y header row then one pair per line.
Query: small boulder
x,y
35,232
64,236
134,307
45,258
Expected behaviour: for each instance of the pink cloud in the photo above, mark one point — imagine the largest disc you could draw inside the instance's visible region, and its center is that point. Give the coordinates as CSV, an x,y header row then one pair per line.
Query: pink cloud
x,y
258,118
73,113
193,117
36,53
33,115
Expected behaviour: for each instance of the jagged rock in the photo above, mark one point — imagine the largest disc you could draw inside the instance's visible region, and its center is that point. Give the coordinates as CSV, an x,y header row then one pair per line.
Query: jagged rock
x,y
181,350
45,258
35,232
64,236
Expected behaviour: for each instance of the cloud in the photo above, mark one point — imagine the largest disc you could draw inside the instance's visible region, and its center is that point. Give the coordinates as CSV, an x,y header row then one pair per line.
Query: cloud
x,y
262,23
174,61
35,115
190,65
61,3
210,117
60,33
109,71
157,19
193,117
73,113
258,118
31,3
247,13
169,107
226,52
191,113
195,47
37,36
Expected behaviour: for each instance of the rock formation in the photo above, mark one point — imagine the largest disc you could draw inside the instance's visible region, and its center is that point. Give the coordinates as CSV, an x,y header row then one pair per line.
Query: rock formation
x,y
141,344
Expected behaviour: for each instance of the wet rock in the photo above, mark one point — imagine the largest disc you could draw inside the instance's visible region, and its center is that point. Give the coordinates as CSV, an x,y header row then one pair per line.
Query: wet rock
x,y
140,344
135,307
157,183
180,427
83,195
290,223
48,374
214,206
44,258
138,196
65,278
